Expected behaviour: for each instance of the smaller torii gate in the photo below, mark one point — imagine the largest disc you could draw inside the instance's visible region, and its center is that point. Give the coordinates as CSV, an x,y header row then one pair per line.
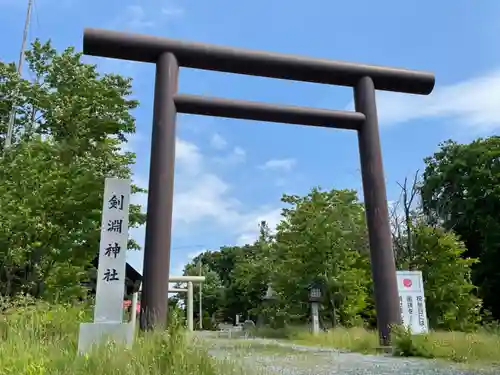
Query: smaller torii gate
x,y
189,290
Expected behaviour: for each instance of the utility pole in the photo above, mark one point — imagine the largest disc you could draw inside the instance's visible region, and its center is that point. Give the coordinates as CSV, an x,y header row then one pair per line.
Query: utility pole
x,y
201,294
12,117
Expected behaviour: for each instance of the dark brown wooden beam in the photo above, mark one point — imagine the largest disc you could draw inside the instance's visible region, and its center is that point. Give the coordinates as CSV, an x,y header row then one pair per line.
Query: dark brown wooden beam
x,y
146,48
242,109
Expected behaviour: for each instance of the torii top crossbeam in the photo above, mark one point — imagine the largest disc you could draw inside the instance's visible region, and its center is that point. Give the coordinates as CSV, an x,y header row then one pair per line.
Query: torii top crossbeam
x,y
146,48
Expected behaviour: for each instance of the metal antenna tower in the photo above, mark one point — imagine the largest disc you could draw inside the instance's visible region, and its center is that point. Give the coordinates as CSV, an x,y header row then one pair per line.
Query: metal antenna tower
x,y
12,117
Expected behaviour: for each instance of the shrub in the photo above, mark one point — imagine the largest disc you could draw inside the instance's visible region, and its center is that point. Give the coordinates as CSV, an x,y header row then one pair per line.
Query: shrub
x,y
406,345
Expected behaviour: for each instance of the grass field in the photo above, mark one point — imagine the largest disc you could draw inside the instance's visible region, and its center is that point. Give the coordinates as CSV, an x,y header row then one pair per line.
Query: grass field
x,y
478,347
42,340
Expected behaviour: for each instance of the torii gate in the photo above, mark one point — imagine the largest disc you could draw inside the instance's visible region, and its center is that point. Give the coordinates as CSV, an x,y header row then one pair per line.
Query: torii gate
x,y
189,290
168,55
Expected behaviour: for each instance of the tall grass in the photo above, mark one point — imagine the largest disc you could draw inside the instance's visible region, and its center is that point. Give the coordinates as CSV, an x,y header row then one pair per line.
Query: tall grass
x,y
481,346
478,347
42,339
352,339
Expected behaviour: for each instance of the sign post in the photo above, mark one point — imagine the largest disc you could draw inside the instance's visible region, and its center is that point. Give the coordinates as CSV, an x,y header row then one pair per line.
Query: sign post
x,y
412,301
108,311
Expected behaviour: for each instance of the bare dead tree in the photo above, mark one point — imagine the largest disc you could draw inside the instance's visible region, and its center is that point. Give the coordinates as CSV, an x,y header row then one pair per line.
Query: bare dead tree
x,y
402,216
408,196
397,229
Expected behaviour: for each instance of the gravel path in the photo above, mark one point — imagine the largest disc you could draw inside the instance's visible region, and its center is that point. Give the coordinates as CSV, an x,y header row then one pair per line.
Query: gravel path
x,y
271,357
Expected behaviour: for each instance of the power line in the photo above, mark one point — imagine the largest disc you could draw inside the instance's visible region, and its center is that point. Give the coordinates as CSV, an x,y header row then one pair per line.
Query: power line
x,y
12,116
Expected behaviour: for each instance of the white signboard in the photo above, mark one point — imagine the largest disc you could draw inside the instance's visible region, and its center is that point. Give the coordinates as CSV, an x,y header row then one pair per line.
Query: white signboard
x,y
110,288
412,301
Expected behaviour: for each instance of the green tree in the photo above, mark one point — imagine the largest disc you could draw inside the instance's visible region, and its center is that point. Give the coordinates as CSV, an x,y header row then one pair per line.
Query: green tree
x,y
323,237
251,274
222,262
68,132
439,255
449,292
236,277
461,192
212,289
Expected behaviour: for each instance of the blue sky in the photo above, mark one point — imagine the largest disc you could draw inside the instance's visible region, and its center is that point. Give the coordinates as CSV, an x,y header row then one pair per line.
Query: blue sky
x,y
230,174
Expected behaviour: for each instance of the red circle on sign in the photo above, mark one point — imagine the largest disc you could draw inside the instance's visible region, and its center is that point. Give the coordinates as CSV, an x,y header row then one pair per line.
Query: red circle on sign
x,y
407,283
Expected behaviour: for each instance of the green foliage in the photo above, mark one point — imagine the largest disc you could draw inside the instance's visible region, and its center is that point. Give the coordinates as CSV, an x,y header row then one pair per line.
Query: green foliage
x,y
212,290
176,319
461,192
42,339
322,237
356,339
229,271
450,295
45,321
449,292
253,270
208,324
407,345
479,347
69,127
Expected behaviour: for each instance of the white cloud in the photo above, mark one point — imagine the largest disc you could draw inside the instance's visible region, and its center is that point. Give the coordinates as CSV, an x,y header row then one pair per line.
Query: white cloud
x,y
474,103
218,142
188,160
250,228
279,164
172,10
206,196
135,18
237,156
202,196
188,157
